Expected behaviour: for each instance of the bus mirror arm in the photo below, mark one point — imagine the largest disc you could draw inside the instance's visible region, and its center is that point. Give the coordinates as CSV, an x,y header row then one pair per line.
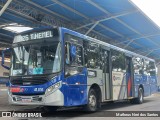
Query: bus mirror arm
x,y
2,62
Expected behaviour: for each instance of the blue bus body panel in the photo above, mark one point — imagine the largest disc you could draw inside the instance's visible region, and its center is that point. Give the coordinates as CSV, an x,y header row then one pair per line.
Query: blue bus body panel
x,y
76,94
146,85
153,84
149,84
65,30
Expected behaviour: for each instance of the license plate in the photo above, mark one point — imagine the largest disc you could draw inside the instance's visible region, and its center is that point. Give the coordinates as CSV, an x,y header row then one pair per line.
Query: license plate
x,y
26,100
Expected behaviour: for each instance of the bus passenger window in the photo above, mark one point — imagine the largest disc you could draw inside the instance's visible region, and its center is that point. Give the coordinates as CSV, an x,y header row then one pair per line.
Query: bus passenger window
x,y
118,61
151,69
92,56
146,67
138,65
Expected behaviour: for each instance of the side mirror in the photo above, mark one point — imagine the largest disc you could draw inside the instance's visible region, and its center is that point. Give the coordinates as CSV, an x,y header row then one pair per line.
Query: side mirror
x,y
73,51
3,57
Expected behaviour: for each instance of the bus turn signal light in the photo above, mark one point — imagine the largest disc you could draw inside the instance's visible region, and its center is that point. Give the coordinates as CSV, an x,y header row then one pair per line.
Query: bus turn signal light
x,y
14,90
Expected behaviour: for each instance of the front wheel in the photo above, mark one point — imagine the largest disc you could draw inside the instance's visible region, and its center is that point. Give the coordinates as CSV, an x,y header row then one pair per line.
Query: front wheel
x,y
92,101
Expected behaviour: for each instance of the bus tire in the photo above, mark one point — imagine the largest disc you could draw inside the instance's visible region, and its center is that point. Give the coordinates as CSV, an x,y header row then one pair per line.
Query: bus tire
x,y
92,103
140,98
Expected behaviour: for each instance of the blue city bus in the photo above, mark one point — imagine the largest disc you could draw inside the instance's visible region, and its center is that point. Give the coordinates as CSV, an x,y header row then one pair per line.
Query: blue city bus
x,y
58,67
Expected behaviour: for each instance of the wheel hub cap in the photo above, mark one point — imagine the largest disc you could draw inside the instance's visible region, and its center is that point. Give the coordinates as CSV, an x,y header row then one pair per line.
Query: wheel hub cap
x,y
141,97
92,100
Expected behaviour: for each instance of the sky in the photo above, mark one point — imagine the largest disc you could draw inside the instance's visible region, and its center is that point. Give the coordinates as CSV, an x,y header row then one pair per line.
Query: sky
x,y
151,8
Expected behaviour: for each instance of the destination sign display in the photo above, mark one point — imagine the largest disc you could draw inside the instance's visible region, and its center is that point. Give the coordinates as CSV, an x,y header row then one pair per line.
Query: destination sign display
x,y
38,35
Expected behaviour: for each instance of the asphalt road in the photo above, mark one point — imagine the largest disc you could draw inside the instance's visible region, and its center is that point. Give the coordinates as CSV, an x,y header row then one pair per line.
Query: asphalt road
x,y
151,103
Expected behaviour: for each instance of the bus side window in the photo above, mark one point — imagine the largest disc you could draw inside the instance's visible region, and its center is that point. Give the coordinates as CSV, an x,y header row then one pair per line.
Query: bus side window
x,y
151,69
138,64
146,67
73,64
92,55
118,61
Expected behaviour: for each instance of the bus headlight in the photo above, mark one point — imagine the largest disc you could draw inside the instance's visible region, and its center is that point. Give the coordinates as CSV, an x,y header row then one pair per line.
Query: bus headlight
x,y
53,88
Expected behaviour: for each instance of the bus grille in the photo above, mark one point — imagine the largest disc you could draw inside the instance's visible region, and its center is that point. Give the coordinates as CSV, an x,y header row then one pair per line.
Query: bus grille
x,y
27,99
28,82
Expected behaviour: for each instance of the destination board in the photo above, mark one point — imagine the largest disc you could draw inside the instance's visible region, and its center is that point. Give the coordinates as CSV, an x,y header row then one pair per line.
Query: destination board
x,y
38,35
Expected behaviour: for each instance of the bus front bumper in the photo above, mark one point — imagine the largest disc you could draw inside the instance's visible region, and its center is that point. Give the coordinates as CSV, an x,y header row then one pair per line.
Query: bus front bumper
x,y
54,99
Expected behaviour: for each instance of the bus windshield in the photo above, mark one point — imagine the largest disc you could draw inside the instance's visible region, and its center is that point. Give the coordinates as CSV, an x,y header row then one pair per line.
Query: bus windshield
x,y
36,58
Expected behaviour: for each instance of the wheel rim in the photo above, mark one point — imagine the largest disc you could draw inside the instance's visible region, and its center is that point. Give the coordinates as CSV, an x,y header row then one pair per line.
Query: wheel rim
x,y
141,95
92,100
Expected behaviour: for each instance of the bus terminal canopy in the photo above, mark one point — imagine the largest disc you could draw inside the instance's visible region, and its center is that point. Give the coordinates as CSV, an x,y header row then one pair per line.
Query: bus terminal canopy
x,y
118,22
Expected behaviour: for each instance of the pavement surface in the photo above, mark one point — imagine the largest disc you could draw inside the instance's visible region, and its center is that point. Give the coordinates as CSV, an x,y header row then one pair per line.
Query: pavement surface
x,y
151,103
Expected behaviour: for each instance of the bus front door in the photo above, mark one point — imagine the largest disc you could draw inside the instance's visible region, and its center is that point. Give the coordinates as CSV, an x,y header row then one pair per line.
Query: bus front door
x,y
75,74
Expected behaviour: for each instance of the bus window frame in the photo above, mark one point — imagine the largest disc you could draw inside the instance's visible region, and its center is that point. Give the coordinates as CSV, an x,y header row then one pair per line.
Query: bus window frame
x,y
69,65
